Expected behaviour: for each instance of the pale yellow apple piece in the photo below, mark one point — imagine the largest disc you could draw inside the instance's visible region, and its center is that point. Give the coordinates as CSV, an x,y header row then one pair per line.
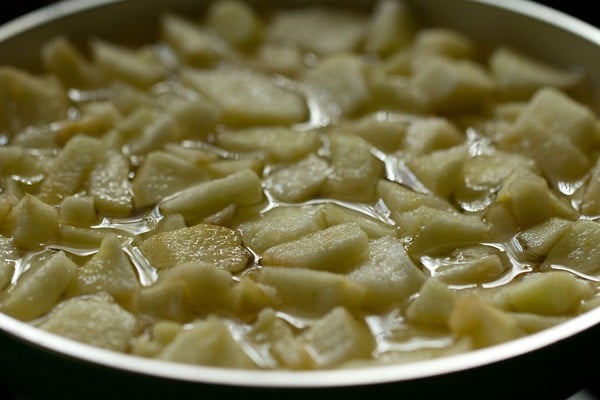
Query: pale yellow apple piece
x,y
110,186
61,57
39,290
138,67
391,27
591,194
549,293
355,171
336,214
77,211
445,42
163,301
242,188
246,97
399,198
208,342
70,169
300,181
280,225
539,239
95,320
161,175
29,100
432,306
389,277
577,248
440,170
310,292
109,270
206,287
317,29
337,248
429,134
519,75
453,85
214,244
34,223
339,84
236,23
530,200
482,323
338,337
432,231
278,144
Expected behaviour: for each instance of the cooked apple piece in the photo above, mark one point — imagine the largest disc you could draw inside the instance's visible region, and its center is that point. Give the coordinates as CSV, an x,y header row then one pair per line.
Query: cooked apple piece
x,y
243,188
478,264
109,270
530,200
577,248
153,136
6,273
398,198
247,97
194,45
432,231
374,228
60,57
95,320
70,169
389,277
161,175
385,133
355,170
208,342
163,301
430,134
194,118
33,223
337,248
29,100
443,41
317,29
591,195
138,67
236,23
310,292
519,76
87,239
110,186
391,27
482,323
250,297
203,242
440,170
96,120
548,293
539,239
284,348
338,337
482,176
280,59
223,167
38,290
453,85
554,130
532,323
433,305
339,84
149,344
279,144
300,181
206,287
280,225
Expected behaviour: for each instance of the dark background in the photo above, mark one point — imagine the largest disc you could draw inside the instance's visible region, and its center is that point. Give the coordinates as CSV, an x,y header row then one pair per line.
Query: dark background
x,y
582,9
